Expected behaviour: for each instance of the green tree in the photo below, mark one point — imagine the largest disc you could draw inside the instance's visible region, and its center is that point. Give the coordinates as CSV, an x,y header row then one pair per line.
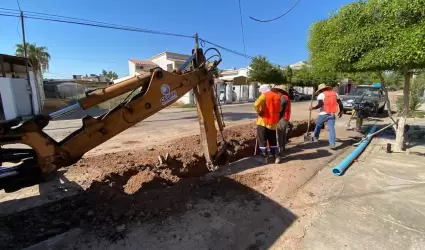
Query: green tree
x,y
38,57
363,77
289,74
261,70
374,35
394,79
309,77
111,75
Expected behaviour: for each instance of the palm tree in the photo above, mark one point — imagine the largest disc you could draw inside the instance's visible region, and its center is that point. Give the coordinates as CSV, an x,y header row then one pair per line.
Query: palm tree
x,y
38,57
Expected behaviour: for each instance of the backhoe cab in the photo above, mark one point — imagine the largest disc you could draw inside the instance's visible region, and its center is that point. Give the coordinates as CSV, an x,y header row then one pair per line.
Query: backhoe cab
x,y
155,91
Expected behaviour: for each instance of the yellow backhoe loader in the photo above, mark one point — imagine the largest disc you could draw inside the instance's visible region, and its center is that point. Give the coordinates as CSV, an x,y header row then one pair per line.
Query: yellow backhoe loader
x,y
147,94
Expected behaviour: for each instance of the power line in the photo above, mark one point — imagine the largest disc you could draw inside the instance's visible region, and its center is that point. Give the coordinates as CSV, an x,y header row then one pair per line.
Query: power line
x,y
8,14
119,27
243,33
19,6
284,14
9,9
86,22
226,49
109,26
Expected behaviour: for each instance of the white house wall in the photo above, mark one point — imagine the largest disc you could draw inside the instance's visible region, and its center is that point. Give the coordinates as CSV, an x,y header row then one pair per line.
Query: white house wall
x,y
162,62
241,92
21,97
131,68
8,98
253,87
36,88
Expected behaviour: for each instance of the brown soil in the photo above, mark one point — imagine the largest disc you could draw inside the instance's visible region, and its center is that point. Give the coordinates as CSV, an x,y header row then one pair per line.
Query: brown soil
x,y
135,186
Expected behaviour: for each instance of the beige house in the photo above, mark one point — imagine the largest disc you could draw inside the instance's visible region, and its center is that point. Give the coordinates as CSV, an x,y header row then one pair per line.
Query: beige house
x,y
166,60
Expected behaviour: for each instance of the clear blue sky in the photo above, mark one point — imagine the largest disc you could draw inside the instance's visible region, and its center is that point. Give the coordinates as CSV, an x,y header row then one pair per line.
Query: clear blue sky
x,y
80,49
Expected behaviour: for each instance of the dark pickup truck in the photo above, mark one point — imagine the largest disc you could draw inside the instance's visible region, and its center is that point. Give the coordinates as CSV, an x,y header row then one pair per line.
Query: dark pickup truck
x,y
371,93
297,96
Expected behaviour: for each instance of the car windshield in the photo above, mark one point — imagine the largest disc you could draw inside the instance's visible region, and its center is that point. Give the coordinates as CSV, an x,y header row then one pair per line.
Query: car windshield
x,y
364,90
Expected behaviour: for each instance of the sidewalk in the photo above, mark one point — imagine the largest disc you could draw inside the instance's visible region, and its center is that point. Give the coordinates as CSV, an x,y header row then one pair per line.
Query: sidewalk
x,y
378,204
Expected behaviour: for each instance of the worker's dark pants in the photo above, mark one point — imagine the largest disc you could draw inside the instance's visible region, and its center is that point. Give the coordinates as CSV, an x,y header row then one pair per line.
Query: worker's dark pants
x,y
265,135
281,133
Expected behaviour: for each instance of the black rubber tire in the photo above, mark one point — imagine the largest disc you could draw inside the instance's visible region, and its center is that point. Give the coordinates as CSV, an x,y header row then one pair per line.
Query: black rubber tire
x,y
381,110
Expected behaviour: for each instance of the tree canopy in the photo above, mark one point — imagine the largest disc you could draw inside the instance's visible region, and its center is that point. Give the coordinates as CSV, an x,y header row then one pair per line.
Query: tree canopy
x,y
373,35
261,70
38,57
310,77
110,74
289,73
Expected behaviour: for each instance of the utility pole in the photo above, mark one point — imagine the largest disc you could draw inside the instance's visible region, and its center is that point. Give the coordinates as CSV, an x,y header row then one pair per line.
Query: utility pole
x,y
26,64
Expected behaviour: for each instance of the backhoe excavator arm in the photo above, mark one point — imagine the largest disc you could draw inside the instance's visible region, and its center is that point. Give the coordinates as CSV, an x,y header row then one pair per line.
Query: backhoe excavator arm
x,y
153,91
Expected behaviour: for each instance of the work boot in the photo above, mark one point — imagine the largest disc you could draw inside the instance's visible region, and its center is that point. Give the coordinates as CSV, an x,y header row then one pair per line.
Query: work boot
x,y
266,156
271,158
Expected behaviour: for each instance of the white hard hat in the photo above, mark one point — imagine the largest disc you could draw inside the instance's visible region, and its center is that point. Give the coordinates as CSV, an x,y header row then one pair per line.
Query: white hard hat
x,y
264,88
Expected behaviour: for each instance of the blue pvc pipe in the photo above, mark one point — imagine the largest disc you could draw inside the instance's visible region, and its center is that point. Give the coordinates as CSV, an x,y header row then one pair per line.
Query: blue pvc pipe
x,y
338,170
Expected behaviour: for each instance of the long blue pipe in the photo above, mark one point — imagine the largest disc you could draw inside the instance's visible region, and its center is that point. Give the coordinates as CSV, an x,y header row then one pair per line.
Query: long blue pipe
x,y
338,170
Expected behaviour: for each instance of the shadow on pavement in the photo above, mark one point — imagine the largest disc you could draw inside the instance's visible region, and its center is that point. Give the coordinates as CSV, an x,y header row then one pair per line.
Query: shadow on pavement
x,y
56,188
193,207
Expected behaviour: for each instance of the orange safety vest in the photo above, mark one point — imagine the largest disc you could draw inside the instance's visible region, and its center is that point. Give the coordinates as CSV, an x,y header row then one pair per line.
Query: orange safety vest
x,y
330,104
287,115
271,108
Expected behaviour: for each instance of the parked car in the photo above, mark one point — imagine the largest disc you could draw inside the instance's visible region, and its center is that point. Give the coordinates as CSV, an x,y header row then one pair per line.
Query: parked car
x,y
297,96
371,93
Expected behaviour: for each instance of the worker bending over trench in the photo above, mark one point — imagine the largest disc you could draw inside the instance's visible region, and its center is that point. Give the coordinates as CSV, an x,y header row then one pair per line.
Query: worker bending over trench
x,y
270,108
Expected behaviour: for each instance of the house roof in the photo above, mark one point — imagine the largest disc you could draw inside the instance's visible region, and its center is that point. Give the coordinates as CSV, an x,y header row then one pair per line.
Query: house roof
x,y
17,60
229,72
143,62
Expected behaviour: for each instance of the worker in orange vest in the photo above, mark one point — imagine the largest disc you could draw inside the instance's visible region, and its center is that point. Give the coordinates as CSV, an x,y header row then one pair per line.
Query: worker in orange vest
x,y
285,116
267,107
328,105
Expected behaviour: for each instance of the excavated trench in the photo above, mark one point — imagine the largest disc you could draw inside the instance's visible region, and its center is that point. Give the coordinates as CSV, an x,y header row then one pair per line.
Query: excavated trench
x,y
134,186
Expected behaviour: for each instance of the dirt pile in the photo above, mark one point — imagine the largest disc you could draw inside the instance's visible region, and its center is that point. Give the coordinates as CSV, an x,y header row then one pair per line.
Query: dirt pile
x,y
182,157
135,186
